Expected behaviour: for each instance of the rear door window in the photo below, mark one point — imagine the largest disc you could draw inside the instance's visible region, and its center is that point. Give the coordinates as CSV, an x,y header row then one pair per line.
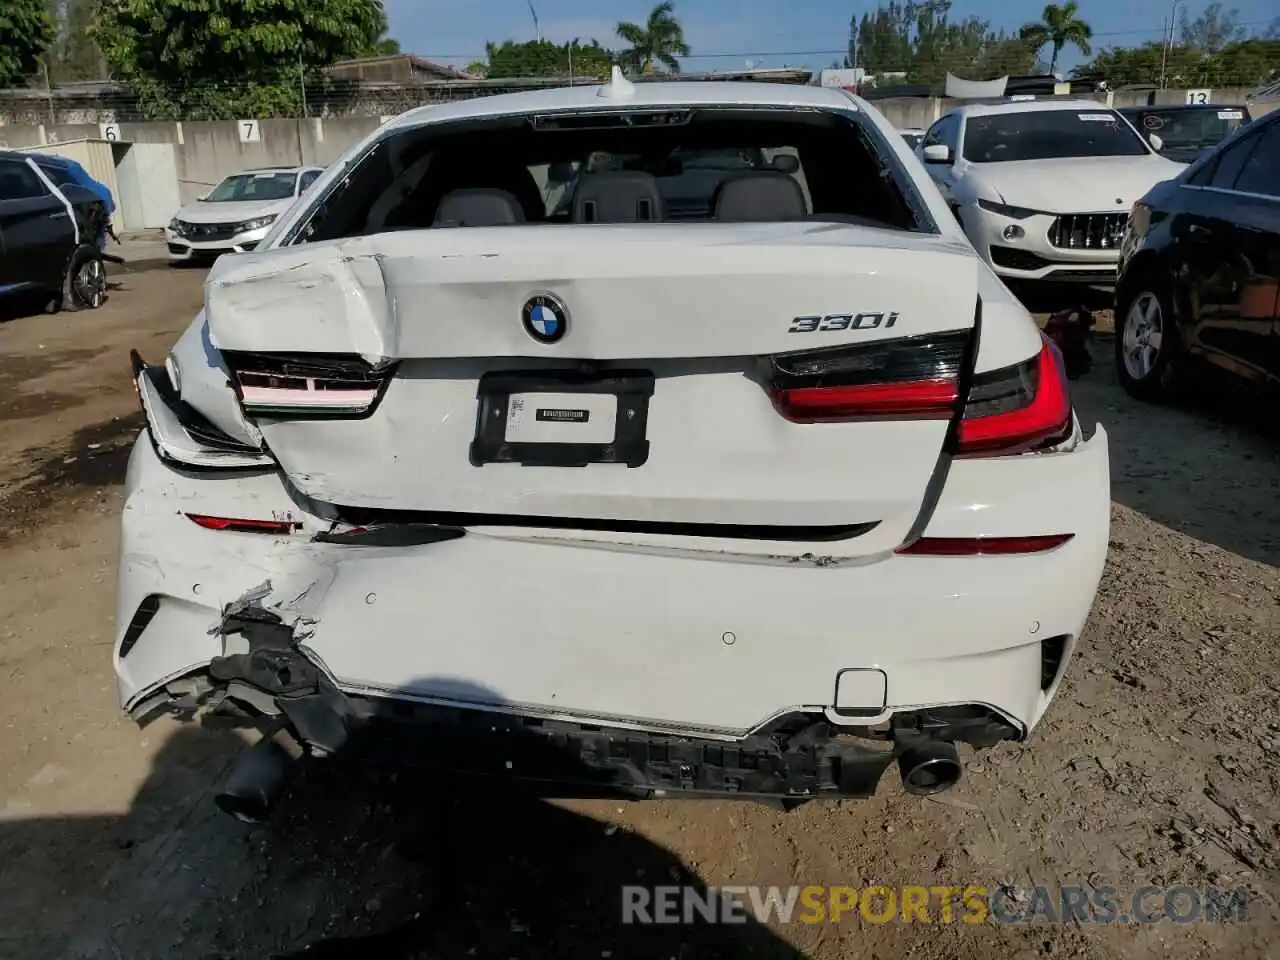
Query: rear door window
x,y
1260,173
1231,162
19,182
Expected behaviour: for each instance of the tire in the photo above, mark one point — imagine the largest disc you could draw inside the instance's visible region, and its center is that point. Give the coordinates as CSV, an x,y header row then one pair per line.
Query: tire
x,y
84,287
1149,353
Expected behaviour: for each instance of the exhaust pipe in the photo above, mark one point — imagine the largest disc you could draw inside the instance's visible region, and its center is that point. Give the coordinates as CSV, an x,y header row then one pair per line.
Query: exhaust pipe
x,y
929,767
257,782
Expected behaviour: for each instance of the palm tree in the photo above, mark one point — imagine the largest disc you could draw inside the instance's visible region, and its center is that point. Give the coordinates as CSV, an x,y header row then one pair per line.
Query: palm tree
x,y
1058,26
660,40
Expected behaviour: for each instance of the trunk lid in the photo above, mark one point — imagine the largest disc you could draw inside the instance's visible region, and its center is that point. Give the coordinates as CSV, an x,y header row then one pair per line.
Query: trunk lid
x,y
676,318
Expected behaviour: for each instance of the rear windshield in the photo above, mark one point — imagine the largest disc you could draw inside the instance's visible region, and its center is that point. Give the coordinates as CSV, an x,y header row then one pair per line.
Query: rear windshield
x,y
1182,130
1048,135
253,186
704,165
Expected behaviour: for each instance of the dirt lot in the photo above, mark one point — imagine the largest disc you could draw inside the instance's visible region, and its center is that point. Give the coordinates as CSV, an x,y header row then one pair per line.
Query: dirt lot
x,y
1159,763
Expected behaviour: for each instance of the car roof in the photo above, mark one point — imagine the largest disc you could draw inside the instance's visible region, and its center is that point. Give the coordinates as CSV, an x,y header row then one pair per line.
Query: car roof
x,y
273,170
1027,106
1174,107
647,94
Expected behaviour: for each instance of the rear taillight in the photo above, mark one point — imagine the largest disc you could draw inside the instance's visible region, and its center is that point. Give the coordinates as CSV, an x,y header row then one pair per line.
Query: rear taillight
x,y
915,378
982,546
244,524
307,385
1015,409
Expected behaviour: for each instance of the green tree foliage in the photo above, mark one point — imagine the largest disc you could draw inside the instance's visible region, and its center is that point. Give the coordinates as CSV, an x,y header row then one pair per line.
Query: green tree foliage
x,y
659,41
1246,63
26,31
1057,27
922,42
542,58
73,55
220,59
384,45
1214,29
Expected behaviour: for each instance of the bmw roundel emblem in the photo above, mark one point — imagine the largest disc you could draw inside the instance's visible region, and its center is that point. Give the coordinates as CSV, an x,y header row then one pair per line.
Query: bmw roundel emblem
x,y
545,318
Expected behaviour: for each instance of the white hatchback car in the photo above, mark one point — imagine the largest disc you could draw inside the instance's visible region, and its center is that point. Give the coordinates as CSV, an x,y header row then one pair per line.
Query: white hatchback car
x,y
749,493
1043,188
236,214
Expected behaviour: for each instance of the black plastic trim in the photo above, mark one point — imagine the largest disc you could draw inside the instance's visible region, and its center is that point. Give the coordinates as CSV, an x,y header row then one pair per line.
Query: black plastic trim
x,y
139,622
371,516
633,389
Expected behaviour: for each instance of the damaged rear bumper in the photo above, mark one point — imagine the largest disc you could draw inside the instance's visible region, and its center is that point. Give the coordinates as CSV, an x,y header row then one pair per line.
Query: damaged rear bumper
x,y
641,668
800,756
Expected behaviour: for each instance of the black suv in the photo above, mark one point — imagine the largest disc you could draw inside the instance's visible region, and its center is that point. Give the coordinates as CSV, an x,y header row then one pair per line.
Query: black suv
x,y
1199,283
49,235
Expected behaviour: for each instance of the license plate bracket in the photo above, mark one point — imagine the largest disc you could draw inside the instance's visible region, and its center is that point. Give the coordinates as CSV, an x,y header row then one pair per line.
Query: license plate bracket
x,y
628,444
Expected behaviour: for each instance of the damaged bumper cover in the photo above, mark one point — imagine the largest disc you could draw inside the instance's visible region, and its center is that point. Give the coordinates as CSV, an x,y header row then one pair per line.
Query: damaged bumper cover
x,y
646,668
800,756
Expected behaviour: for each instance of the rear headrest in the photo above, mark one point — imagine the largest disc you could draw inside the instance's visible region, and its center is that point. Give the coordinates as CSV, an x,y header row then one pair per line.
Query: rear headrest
x,y
480,207
617,196
762,195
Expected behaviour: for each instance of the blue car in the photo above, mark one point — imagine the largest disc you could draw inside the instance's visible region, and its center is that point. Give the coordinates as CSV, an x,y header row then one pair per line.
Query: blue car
x,y
63,170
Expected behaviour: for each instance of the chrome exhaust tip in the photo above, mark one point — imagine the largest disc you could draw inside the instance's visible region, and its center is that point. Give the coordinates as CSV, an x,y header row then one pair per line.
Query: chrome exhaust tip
x,y
929,767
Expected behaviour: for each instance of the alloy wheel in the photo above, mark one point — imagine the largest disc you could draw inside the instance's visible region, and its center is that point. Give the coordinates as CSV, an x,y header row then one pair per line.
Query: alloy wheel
x,y
1143,335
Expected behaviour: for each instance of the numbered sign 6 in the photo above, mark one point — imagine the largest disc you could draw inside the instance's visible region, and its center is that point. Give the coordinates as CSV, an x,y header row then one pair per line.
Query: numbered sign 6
x,y
109,131
1198,96
249,131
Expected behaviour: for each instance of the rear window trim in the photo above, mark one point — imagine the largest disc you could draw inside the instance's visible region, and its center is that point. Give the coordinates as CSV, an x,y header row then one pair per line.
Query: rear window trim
x,y
872,138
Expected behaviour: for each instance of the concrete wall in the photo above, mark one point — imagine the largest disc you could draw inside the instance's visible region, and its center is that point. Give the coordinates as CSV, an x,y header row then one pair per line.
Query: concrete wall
x,y
207,152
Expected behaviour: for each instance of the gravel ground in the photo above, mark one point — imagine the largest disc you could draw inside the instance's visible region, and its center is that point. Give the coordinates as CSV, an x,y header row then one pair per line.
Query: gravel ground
x,y
1159,763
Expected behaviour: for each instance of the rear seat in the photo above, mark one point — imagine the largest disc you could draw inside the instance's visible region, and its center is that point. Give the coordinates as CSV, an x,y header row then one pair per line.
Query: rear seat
x,y
478,207
759,196
617,196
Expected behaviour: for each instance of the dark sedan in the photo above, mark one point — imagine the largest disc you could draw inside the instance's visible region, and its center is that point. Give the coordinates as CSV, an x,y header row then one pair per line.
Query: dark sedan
x,y
1199,284
1185,131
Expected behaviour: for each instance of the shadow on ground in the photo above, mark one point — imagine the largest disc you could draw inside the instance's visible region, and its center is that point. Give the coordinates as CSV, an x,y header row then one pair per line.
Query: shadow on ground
x,y
1208,465
1044,297
17,306
59,480
357,862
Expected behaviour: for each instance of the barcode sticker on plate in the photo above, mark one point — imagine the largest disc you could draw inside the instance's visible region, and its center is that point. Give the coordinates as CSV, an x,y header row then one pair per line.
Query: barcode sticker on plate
x,y
561,418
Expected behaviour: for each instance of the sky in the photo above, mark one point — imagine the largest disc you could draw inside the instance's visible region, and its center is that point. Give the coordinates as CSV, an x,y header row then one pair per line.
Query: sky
x,y
729,33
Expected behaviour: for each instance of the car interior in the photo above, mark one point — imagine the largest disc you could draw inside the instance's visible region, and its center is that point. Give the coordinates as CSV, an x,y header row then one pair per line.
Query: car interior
x,y
717,166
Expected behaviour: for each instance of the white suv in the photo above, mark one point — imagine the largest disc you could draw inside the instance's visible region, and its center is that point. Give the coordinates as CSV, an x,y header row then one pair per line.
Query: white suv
x,y
752,489
1043,188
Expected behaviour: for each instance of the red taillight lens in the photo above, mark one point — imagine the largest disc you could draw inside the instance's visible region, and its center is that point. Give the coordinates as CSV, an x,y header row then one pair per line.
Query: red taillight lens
x,y
1017,408
911,378
917,398
243,524
982,546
